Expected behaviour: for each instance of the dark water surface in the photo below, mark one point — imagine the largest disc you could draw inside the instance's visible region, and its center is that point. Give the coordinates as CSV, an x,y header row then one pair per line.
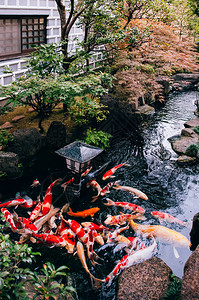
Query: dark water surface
x,y
153,170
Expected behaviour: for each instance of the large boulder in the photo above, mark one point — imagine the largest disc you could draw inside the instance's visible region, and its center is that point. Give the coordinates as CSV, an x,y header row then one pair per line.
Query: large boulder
x,y
26,143
190,280
9,165
194,234
185,81
147,280
56,135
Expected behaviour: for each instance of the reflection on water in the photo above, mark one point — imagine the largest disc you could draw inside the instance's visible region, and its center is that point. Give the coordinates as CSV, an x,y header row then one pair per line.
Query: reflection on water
x,y
153,170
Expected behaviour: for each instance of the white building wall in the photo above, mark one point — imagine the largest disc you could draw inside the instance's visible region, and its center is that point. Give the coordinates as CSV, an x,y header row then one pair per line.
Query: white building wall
x,y
34,7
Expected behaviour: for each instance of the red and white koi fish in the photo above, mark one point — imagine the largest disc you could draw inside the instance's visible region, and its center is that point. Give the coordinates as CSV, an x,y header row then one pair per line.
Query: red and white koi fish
x,y
132,259
28,202
97,227
65,184
162,233
50,239
9,218
110,172
28,225
14,202
81,255
98,238
112,235
95,186
133,191
122,219
35,183
106,188
125,205
78,230
89,245
68,235
168,218
48,197
40,221
133,241
86,172
36,211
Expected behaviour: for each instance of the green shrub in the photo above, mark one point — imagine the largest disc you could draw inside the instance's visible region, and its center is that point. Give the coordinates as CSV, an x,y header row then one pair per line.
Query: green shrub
x,y
45,284
149,69
196,129
98,138
192,150
5,138
174,290
12,258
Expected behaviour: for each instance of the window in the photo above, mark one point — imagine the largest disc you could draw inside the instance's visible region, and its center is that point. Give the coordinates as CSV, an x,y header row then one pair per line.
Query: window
x,y
18,34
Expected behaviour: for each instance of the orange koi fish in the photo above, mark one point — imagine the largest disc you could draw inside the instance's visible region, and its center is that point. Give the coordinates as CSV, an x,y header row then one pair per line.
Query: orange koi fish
x,y
48,197
133,191
168,218
162,233
110,172
125,205
85,213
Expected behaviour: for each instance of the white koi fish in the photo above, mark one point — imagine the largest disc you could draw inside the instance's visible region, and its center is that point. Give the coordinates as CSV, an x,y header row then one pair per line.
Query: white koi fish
x,y
131,259
131,190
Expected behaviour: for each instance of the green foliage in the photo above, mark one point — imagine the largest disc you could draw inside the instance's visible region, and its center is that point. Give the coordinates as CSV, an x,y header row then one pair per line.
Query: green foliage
x,y
5,138
45,284
98,138
12,259
149,69
192,150
5,109
196,129
174,290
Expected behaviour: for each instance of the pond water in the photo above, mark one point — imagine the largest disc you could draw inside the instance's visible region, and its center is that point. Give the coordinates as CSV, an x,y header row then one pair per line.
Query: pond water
x,y
153,169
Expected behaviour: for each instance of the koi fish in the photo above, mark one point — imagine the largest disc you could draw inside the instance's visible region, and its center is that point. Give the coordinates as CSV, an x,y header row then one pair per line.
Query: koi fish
x,y
28,202
122,219
98,238
80,253
132,259
65,184
78,230
9,218
36,211
168,218
112,236
133,241
39,222
14,202
106,188
110,172
85,213
133,191
35,183
68,235
48,197
162,233
95,186
50,239
126,205
89,244
86,172
97,227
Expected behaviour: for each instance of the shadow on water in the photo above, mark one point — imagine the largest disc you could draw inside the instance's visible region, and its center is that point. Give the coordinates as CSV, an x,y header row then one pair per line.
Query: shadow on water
x,y
153,170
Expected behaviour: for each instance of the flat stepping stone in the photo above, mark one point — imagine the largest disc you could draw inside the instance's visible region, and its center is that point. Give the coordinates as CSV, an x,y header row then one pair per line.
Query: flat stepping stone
x,y
17,118
6,125
192,123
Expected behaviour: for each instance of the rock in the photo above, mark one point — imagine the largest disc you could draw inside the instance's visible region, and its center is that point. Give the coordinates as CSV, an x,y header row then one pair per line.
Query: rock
x,y
194,234
146,110
17,118
56,135
26,143
184,159
165,82
147,280
190,279
188,132
6,125
192,123
188,77
9,165
181,144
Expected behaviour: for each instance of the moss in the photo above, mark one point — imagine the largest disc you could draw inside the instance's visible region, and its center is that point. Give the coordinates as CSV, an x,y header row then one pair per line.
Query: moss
x,y
192,150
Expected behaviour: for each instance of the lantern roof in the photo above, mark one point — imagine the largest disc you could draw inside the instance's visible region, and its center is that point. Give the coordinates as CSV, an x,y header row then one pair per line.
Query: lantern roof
x,y
79,152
